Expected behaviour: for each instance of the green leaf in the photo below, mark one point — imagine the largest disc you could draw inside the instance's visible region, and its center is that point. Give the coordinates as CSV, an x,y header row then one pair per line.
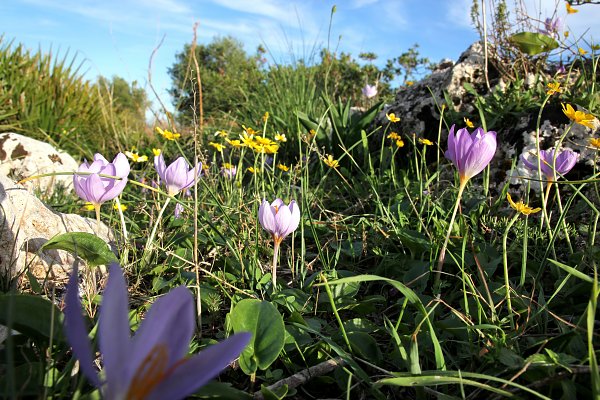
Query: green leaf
x,y
365,346
533,43
33,316
572,271
276,394
265,323
88,246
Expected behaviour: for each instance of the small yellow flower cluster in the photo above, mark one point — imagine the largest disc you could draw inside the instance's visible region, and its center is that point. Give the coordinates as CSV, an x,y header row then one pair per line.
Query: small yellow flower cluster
x,y
522,207
392,117
331,162
425,142
553,87
579,117
122,206
570,10
259,144
397,138
468,123
283,167
135,157
218,146
167,134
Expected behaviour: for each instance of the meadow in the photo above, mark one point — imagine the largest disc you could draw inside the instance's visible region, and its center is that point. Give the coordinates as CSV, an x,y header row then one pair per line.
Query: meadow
x,y
283,238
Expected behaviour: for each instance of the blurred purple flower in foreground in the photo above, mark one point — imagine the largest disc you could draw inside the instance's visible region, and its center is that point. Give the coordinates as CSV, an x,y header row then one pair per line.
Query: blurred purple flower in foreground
x,y
565,161
470,152
369,91
552,27
177,176
152,364
97,189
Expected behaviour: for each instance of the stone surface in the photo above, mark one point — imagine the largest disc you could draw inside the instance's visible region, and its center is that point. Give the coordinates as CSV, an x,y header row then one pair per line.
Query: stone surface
x,y
26,224
416,104
22,157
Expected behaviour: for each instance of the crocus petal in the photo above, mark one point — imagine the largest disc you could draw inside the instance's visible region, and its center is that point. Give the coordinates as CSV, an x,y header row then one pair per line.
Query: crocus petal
x,y
268,218
175,309
196,371
480,154
450,154
121,165
113,189
114,332
282,221
159,164
295,217
76,330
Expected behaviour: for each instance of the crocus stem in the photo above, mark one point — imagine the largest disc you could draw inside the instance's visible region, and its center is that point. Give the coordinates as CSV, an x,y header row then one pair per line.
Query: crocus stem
x,y
438,273
97,208
153,233
276,245
505,265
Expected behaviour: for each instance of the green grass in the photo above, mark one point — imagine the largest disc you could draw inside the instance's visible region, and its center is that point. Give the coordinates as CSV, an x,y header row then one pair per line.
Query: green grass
x,y
515,316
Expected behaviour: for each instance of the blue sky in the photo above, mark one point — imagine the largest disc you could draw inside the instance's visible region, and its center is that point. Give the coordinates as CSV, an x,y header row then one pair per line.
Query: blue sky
x,y
117,37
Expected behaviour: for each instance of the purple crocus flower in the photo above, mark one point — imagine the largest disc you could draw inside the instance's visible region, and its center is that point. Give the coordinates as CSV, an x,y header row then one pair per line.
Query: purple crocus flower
x,y
470,152
98,189
152,364
177,176
228,170
552,27
278,219
565,161
369,91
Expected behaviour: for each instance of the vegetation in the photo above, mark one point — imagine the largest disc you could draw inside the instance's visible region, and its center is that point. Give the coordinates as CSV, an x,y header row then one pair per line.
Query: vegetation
x,y
379,292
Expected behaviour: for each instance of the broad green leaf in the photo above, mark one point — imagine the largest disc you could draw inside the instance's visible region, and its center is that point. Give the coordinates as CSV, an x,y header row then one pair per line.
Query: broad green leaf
x,y
533,43
276,394
265,323
33,316
88,246
365,346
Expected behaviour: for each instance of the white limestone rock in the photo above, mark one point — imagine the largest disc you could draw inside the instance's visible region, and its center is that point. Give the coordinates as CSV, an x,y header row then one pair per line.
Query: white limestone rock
x,y
23,157
26,224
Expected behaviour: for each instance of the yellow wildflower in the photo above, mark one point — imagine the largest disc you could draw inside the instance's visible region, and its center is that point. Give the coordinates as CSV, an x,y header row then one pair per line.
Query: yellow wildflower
x,y
135,157
426,142
282,167
595,142
235,142
88,206
168,134
400,143
570,10
393,136
221,133
579,117
554,87
247,140
263,140
566,34
252,170
123,207
218,146
468,123
409,83
249,131
156,152
331,162
227,165
312,133
596,47
521,207
582,52
280,137
265,117
392,117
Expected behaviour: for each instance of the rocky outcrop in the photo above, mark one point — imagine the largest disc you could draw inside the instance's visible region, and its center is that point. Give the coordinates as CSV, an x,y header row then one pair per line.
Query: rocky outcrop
x,y
23,157
26,224
418,105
